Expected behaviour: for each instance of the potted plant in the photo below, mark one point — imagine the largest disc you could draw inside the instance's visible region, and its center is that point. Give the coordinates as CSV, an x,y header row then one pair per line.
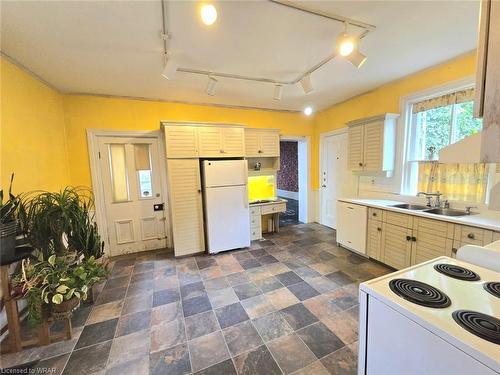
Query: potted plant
x,y
57,284
8,222
62,222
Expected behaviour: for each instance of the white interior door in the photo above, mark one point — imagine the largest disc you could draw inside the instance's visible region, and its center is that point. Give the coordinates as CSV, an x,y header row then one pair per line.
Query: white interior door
x,y
335,177
134,202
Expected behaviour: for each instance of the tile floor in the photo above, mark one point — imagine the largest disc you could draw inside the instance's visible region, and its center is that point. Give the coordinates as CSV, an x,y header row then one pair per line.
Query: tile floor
x,y
288,304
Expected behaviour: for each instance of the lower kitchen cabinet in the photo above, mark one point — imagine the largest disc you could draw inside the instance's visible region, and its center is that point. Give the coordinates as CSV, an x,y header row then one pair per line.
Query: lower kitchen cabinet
x,y
374,239
401,240
396,245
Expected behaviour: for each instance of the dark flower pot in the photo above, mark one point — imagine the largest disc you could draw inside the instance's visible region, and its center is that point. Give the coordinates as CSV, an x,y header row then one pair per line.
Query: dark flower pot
x,y
66,306
8,239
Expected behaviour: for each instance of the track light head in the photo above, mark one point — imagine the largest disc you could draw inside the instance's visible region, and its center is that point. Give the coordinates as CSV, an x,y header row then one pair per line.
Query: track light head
x,y
306,84
346,44
278,92
208,14
356,58
170,67
308,110
211,86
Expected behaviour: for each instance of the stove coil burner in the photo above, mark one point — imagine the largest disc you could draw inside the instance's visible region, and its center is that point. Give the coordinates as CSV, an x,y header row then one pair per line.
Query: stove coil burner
x,y
457,272
420,293
493,287
485,326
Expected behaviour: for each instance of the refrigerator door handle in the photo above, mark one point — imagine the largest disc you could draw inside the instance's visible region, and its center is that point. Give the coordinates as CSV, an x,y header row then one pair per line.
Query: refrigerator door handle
x,y
245,198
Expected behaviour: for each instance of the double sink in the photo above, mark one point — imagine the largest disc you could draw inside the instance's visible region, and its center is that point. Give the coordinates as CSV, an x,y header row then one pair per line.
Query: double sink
x,y
435,211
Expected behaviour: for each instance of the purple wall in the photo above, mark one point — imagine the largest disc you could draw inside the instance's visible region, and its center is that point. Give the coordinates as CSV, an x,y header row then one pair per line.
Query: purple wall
x,y
288,175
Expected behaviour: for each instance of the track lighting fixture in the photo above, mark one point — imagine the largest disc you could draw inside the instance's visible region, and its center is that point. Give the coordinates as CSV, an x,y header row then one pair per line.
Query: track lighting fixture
x,y
278,92
306,84
356,58
308,110
211,85
170,66
208,14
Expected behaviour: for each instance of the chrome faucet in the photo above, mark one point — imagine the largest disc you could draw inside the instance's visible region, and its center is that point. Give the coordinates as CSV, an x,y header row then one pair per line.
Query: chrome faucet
x,y
428,196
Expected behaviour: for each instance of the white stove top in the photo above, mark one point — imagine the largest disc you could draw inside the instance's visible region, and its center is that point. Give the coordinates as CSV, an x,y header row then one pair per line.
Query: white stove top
x,y
466,295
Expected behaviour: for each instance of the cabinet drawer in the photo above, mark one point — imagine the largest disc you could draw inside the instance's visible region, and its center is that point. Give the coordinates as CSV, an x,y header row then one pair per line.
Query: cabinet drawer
x,y
375,214
273,208
472,235
401,220
255,234
433,227
254,211
255,221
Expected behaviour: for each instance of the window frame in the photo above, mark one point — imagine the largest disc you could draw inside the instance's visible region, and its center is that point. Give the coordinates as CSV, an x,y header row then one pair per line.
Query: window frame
x,y
408,178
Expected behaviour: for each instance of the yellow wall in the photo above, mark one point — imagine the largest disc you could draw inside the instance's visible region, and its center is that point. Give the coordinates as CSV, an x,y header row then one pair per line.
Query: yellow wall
x,y
36,121
385,99
32,139
91,112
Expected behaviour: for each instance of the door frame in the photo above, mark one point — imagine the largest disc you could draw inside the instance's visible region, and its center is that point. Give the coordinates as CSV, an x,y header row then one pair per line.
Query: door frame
x,y
97,182
322,158
304,171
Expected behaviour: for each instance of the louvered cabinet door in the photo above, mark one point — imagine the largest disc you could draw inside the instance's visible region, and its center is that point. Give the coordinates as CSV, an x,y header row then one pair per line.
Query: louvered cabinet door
x,y
181,141
269,143
233,142
210,142
252,143
396,246
374,240
186,206
373,146
355,148
431,239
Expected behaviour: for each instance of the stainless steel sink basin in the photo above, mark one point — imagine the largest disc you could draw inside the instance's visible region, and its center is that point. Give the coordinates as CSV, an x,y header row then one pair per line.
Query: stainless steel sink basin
x,y
407,206
447,212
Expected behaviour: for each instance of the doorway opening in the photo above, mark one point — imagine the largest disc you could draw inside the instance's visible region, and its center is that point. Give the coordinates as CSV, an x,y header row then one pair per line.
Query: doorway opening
x,y
293,178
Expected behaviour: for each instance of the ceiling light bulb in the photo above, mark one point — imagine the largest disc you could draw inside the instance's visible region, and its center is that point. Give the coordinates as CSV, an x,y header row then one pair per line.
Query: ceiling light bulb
x,y
345,44
208,14
278,92
306,84
308,111
211,85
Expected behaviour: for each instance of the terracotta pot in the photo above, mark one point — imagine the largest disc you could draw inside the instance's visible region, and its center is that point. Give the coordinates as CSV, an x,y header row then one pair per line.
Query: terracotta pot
x,y
104,261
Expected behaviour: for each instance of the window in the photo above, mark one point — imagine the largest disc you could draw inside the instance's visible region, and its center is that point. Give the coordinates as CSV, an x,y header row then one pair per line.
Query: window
x,y
433,123
142,158
118,169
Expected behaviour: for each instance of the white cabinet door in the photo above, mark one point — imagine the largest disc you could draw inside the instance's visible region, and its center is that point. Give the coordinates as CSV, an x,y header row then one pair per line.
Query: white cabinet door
x,y
269,143
252,143
396,245
373,143
355,150
233,142
210,142
186,206
181,141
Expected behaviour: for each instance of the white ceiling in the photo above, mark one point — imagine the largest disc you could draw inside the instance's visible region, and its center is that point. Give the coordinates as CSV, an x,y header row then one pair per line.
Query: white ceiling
x,y
114,47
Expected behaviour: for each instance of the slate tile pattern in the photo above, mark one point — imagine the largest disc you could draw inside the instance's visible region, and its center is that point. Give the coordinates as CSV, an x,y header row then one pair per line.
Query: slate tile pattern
x,y
288,304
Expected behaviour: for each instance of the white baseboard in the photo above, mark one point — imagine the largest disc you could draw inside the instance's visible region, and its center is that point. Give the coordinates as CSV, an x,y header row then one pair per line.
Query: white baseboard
x,y
288,194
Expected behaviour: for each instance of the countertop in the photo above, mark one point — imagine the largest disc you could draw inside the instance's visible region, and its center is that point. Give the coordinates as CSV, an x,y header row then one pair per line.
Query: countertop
x,y
279,200
483,220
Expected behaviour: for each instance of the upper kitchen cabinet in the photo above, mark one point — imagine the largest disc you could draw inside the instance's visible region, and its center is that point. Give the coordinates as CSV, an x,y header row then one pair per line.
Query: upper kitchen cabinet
x,y
218,141
262,143
488,80
372,143
181,141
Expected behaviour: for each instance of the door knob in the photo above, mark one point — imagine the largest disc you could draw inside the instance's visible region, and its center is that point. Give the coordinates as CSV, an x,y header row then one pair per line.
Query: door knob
x,y
323,185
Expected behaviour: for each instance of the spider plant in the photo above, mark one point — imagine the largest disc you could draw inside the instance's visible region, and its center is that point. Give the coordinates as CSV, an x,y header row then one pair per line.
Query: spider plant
x,y
60,222
8,209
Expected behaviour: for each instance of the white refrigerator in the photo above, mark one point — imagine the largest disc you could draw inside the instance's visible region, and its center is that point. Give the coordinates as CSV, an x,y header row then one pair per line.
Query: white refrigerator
x,y
225,193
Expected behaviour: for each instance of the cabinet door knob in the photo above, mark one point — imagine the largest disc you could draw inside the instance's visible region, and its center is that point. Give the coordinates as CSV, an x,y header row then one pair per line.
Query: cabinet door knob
x,y
360,164
454,250
374,214
471,236
414,239
379,229
408,238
